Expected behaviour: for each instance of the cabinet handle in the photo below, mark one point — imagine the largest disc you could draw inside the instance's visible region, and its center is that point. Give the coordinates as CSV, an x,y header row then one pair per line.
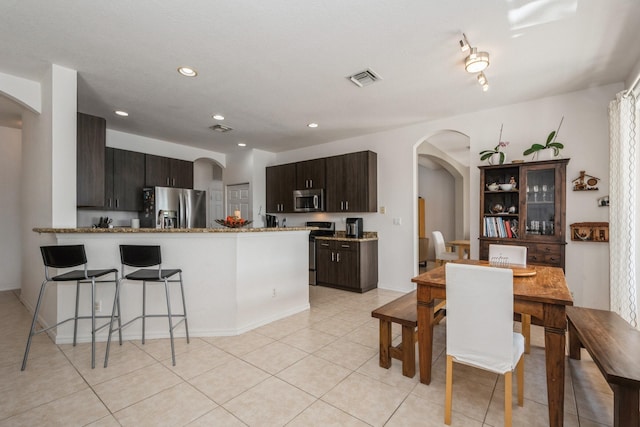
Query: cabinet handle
x,y
167,181
341,206
117,203
174,182
337,256
310,183
109,202
346,246
324,244
332,257
346,204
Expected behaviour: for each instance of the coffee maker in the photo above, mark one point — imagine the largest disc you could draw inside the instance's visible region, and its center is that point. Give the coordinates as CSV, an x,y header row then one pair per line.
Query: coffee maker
x,y
354,228
272,221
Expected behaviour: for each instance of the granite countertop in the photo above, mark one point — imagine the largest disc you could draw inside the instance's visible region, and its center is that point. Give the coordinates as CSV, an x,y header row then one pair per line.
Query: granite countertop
x,y
341,235
170,230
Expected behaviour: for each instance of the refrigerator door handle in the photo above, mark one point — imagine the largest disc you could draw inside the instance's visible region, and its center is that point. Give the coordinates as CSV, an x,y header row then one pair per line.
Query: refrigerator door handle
x,y
187,211
181,223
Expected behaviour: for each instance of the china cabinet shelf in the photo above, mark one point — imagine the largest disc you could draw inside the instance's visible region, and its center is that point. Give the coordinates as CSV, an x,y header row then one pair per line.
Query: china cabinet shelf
x,y
527,220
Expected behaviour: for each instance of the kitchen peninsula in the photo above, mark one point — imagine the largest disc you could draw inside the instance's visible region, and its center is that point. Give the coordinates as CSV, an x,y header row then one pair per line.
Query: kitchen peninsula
x,y
235,279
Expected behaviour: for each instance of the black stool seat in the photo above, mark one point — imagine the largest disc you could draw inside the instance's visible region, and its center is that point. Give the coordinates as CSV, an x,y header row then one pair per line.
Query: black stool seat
x,y
75,275
149,275
141,256
68,256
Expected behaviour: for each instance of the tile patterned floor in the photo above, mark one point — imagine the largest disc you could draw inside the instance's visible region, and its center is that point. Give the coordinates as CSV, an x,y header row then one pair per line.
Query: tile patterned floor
x,y
316,368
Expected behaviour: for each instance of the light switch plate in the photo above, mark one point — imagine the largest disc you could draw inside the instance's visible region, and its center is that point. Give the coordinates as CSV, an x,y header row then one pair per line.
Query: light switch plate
x,y
383,210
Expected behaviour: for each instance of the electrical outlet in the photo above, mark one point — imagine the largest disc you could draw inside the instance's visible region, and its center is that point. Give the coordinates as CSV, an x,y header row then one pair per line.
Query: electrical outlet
x,y
397,221
98,306
383,210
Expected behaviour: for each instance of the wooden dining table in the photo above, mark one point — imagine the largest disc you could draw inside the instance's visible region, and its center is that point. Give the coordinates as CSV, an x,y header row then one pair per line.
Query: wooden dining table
x,y
464,246
542,293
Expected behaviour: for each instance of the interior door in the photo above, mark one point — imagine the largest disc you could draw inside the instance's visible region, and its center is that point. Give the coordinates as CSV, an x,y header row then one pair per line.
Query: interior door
x,y
238,200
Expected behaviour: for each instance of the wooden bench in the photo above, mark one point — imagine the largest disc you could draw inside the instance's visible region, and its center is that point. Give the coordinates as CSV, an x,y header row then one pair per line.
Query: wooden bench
x,y
614,346
403,311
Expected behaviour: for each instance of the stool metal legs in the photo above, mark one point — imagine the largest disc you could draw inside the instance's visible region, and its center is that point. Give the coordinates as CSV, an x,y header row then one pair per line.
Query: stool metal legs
x,y
75,318
144,315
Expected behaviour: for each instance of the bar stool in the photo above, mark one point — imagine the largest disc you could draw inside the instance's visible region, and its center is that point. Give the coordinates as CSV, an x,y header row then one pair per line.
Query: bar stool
x,y
66,257
139,256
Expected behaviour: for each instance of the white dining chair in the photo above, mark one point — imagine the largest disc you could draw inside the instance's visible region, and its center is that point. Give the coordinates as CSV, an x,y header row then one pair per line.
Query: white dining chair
x,y
505,255
479,337
442,256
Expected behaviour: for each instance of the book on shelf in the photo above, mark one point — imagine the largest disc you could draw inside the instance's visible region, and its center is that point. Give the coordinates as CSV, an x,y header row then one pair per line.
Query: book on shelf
x,y
495,226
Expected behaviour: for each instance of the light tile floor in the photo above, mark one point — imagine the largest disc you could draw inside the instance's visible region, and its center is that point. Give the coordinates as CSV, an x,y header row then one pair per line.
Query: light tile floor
x,y
316,368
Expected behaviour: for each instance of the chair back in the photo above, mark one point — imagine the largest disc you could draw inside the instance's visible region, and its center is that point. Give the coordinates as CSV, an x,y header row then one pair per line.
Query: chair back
x,y
502,255
480,316
64,256
140,256
438,243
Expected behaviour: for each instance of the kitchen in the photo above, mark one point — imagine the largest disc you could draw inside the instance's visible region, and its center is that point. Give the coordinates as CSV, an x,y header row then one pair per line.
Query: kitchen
x,y
42,154
222,301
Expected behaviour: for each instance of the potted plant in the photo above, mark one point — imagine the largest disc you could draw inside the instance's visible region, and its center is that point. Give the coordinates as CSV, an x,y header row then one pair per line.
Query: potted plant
x,y
495,156
550,149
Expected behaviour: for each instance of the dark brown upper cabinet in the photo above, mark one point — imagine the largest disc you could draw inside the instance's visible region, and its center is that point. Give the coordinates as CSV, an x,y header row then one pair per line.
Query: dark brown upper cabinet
x,y
280,183
310,174
125,174
90,160
166,172
352,182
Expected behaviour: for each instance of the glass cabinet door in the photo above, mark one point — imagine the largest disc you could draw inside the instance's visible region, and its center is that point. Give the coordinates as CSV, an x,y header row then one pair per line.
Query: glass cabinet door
x,y
541,202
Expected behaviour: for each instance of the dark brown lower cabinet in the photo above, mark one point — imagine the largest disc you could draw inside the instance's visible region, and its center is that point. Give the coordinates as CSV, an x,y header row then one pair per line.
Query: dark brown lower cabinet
x,y
347,264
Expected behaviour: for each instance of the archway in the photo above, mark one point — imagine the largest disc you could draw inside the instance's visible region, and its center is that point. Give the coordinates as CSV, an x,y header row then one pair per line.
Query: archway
x,y
442,179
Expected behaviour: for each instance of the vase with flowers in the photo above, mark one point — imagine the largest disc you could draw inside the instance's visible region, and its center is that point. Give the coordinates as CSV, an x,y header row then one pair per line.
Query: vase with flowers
x,y
495,156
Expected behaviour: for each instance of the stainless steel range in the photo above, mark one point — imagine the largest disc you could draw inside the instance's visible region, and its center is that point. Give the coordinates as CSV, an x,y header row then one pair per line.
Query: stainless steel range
x,y
325,228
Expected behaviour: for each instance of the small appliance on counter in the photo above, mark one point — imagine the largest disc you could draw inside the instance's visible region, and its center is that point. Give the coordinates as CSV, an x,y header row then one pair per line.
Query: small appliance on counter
x,y
354,228
271,220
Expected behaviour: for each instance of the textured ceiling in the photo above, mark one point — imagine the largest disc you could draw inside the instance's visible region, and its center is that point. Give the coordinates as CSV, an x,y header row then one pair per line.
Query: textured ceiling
x,y
271,67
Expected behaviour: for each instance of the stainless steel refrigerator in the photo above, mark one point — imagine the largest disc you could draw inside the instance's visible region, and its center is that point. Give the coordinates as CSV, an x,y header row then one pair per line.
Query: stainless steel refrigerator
x,y
167,207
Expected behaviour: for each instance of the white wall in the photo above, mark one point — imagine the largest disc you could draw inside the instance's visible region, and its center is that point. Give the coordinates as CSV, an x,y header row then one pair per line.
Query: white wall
x,y
143,144
249,166
10,243
44,143
437,188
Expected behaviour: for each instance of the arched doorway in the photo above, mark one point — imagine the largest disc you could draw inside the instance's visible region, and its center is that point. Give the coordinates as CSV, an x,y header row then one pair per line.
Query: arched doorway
x,y
207,175
443,183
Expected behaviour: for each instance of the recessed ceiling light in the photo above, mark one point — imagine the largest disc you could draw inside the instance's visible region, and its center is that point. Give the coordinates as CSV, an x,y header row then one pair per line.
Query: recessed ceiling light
x,y
121,113
312,125
187,71
218,116
241,144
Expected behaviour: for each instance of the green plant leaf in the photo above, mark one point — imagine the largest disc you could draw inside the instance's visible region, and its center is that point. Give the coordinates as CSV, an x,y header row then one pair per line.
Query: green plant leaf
x,y
486,155
501,157
557,145
550,137
533,149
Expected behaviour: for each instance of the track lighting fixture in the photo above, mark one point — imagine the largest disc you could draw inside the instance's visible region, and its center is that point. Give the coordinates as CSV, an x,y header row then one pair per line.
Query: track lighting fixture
x,y
475,62
482,79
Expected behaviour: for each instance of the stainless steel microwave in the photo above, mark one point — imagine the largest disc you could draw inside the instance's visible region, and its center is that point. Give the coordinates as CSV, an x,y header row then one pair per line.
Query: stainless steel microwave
x,y
308,200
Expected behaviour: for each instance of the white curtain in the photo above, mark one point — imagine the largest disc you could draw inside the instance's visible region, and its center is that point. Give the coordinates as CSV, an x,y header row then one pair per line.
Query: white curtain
x,y
623,170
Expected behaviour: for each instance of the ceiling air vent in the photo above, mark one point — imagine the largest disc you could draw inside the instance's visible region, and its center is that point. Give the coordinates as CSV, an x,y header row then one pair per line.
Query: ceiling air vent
x,y
220,128
364,78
